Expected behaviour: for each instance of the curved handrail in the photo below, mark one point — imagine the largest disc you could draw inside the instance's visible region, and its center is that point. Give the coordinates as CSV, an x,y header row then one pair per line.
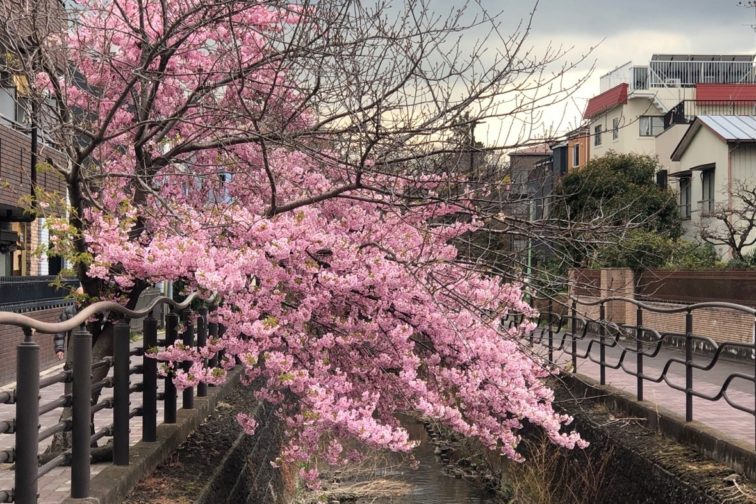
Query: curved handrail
x,y
19,320
678,309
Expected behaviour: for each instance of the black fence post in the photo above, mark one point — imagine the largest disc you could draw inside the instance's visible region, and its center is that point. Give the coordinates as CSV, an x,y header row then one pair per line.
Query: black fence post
x,y
169,401
689,366
27,419
149,380
602,348
82,413
121,393
221,353
551,331
201,342
213,333
574,336
188,340
639,351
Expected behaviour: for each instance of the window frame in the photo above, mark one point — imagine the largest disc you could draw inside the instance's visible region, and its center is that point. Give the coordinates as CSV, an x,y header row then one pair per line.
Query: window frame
x,y
576,155
615,128
597,131
708,185
654,129
685,195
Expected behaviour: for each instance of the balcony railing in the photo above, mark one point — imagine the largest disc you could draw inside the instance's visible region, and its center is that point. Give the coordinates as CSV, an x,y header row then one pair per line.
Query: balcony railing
x,y
689,73
32,292
687,110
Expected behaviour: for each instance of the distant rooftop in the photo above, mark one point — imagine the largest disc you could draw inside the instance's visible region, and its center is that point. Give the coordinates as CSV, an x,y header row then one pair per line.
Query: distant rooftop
x,y
683,70
536,150
728,128
703,57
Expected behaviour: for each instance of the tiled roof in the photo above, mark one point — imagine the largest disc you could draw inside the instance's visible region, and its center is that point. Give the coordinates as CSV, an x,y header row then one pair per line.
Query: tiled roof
x,y
606,100
725,92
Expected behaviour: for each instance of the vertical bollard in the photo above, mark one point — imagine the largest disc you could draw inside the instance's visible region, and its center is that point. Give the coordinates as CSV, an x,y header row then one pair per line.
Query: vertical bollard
x,y
222,353
689,366
602,348
82,413
574,336
201,342
27,419
188,340
121,393
551,331
212,328
639,351
149,381
169,403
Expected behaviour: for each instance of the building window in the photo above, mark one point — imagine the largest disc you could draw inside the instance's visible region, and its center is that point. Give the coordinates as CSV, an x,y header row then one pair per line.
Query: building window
x,y
707,192
615,128
576,155
650,125
597,135
685,197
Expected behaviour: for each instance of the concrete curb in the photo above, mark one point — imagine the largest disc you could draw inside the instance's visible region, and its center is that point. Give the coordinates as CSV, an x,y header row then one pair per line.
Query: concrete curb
x,y
711,442
113,483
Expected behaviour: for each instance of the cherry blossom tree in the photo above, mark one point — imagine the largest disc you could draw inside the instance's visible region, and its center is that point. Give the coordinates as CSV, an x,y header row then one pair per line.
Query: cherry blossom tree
x,y
290,158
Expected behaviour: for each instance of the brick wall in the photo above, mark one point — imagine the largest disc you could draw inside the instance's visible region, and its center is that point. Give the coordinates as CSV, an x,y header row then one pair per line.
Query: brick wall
x,y
720,324
15,172
12,336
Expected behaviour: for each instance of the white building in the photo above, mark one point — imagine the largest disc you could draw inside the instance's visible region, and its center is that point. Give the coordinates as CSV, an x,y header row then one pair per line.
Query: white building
x,y
637,104
715,154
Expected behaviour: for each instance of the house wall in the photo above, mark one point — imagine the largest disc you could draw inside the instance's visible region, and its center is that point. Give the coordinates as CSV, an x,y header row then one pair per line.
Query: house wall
x,y
584,142
705,148
628,139
743,171
666,143
654,102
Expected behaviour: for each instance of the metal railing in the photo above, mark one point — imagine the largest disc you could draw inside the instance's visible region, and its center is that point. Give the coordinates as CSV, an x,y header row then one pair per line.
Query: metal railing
x,y
26,395
665,73
561,333
687,110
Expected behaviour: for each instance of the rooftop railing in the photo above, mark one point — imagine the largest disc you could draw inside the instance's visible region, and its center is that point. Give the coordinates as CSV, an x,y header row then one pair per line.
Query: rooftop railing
x,y
671,74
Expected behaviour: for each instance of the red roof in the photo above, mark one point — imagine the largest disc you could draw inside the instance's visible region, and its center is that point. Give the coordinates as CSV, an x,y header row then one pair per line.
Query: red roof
x,y
605,101
725,92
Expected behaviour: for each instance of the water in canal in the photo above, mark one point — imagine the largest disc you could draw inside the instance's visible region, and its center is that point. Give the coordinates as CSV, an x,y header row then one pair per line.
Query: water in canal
x,y
427,484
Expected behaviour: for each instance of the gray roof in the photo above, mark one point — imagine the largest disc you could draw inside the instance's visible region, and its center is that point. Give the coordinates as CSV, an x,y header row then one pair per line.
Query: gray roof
x,y
728,128
732,128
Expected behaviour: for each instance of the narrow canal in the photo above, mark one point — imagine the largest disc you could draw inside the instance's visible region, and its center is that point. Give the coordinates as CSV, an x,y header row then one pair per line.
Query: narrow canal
x,y
429,483
390,480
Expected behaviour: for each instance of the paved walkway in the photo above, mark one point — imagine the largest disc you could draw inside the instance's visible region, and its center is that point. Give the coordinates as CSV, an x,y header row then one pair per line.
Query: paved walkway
x,y
719,414
55,486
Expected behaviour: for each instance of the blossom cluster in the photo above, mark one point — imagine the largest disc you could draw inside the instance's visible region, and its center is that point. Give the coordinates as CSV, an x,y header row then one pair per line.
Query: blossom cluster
x,y
344,311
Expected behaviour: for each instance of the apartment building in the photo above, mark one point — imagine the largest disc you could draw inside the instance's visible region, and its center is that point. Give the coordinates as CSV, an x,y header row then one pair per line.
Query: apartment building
x,y
694,113
25,148
637,103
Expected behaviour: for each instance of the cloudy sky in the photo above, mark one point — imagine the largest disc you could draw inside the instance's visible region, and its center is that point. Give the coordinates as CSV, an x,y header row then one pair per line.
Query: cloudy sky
x,y
623,31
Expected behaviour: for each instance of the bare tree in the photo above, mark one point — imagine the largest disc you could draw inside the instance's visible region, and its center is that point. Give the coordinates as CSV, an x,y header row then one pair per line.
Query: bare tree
x,y
733,225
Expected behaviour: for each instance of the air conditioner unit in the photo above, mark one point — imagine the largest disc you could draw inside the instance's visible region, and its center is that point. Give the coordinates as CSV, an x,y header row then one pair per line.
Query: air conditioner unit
x,y
674,83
